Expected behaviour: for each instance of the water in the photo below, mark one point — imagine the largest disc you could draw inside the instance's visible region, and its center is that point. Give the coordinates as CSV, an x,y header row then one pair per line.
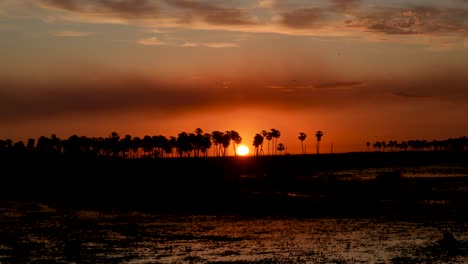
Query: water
x,y
39,233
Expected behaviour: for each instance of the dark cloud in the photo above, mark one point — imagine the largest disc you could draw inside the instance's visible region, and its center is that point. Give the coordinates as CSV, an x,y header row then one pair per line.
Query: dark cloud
x,y
345,5
31,100
338,85
303,18
412,20
408,95
126,8
71,5
213,14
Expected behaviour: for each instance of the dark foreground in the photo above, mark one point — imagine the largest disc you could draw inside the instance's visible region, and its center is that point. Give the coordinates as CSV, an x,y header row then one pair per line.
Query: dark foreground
x,y
39,233
403,184
342,208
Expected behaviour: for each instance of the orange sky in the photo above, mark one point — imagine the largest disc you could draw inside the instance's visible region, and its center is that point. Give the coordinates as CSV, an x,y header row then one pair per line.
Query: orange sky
x,y
357,70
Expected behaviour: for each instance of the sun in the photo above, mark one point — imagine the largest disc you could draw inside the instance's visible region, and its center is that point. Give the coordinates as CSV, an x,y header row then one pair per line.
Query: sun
x,y
242,150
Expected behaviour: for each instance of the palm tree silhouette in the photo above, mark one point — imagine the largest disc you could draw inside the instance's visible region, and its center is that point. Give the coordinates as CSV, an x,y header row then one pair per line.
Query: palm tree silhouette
x,y
268,136
126,144
198,141
318,135
173,144
281,147
226,141
302,137
258,141
378,145
217,141
275,134
236,138
206,143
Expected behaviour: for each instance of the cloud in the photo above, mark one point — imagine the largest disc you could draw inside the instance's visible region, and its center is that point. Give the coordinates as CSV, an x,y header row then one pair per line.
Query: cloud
x,y
210,44
345,5
329,18
114,94
69,33
412,20
303,18
151,41
407,95
213,14
324,86
338,85
123,8
266,4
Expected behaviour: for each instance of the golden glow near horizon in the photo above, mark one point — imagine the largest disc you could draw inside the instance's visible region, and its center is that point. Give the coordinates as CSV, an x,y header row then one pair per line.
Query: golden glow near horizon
x,y
242,150
359,70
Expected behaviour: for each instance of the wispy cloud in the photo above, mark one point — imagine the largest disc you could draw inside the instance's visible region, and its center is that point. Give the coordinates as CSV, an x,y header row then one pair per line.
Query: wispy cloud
x,y
338,85
412,20
25,100
329,18
70,33
408,95
320,86
345,5
151,41
266,3
303,18
213,14
210,44
128,8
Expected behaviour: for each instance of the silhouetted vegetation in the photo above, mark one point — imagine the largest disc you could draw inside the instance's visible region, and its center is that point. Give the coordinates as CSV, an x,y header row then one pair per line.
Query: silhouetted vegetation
x,y
195,144
451,144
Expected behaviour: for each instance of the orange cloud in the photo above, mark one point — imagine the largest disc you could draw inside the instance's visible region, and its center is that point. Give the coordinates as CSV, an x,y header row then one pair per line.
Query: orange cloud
x,y
303,18
70,33
129,8
412,20
213,14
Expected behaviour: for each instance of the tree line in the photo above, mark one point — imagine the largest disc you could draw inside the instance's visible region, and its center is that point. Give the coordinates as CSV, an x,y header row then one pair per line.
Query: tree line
x,y
451,144
194,144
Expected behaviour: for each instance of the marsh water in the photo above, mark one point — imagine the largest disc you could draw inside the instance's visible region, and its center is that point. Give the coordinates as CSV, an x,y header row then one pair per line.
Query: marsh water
x,y
46,232
39,233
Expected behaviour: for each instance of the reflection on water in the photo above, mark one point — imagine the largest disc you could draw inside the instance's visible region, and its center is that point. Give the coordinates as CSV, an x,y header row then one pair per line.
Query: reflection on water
x,y
434,171
36,233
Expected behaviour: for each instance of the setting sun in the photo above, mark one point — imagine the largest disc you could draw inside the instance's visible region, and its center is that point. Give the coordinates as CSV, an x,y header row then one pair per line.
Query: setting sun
x,y
242,150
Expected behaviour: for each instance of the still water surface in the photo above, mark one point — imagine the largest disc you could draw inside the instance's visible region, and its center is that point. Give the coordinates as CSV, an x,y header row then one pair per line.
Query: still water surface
x,y
38,233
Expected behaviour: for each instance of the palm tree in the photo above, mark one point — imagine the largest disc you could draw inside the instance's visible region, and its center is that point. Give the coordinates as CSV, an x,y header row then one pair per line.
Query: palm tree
x,y
226,141
268,136
206,143
114,143
217,137
173,144
147,144
258,141
378,145
198,141
236,138
275,134
183,144
281,147
126,143
318,135
302,137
